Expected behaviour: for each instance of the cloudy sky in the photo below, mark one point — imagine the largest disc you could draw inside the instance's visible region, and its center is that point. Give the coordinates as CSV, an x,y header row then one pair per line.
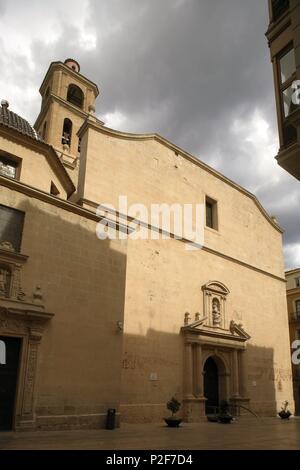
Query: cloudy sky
x,y
196,71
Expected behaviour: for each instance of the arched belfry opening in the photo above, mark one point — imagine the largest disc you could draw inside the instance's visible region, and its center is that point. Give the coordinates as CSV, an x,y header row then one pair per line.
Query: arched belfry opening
x,y
75,95
67,132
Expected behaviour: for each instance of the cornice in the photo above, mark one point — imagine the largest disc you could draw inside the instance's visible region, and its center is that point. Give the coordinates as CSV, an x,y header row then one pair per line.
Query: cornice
x,y
66,104
292,271
293,291
55,201
77,75
45,149
89,123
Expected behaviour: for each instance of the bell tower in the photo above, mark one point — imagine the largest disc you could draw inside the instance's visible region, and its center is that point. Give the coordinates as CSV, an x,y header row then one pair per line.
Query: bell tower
x,y
67,99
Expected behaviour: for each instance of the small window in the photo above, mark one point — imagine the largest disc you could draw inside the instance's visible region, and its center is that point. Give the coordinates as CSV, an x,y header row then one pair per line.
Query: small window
x,y
53,189
79,145
211,213
11,226
44,133
67,132
297,280
287,65
9,167
287,74
75,95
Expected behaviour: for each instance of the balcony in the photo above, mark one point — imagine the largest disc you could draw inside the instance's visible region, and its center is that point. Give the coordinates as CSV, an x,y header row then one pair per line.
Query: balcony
x,y
278,8
289,159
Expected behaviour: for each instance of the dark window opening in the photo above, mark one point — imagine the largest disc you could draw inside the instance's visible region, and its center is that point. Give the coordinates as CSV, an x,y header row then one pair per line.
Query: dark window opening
x,y
11,226
211,213
9,167
44,133
289,135
53,189
79,145
67,132
278,8
75,96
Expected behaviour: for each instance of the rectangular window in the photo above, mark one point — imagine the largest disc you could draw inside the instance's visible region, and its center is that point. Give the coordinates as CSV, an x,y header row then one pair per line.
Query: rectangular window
x,y
11,226
211,213
287,74
297,280
278,8
288,105
8,167
297,304
287,65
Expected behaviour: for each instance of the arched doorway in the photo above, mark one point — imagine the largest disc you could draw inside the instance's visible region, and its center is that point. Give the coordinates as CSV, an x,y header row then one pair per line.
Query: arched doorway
x,y
211,385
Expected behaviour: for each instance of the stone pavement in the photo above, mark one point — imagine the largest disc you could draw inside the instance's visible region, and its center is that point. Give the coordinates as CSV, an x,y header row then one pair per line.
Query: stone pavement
x,y
246,433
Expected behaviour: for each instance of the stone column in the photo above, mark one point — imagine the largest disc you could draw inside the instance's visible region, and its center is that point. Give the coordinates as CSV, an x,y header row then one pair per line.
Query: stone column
x,y
243,372
27,418
199,388
188,371
235,372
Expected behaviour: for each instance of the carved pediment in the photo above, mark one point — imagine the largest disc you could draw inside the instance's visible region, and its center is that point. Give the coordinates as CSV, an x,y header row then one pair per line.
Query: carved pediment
x,y
235,333
238,330
216,287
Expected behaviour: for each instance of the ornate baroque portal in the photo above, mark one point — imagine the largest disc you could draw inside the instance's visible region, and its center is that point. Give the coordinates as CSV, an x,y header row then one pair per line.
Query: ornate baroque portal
x,y
23,319
213,340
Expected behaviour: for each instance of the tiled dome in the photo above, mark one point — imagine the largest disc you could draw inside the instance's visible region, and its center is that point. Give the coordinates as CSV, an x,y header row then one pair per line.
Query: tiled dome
x,y
14,121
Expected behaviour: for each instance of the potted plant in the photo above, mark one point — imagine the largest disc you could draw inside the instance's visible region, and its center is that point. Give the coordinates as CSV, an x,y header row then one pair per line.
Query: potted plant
x,y
285,413
224,416
173,405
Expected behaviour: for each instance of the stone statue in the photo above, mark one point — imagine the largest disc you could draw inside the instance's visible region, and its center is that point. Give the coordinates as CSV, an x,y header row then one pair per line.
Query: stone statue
x,y
216,315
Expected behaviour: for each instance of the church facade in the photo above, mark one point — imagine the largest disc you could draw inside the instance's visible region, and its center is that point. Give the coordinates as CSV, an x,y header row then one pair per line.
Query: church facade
x,y
88,324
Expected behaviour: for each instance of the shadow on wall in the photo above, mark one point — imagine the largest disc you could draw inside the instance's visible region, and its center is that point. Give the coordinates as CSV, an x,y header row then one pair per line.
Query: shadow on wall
x,y
153,372
83,283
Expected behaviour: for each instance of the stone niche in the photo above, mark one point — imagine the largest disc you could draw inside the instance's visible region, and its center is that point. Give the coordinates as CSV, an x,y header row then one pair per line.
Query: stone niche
x,y
214,303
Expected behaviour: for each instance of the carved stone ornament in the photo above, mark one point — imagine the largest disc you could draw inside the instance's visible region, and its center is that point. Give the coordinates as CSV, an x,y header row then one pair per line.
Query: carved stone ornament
x,y
7,246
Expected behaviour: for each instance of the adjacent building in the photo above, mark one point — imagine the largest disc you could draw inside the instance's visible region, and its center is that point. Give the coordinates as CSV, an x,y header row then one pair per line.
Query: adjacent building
x,y
293,301
127,322
284,41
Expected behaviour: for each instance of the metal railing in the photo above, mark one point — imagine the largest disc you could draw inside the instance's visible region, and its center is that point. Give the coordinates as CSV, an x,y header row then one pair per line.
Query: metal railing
x,y
233,409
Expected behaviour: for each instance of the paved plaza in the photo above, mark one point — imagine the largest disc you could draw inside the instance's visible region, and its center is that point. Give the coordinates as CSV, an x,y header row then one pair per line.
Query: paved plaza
x,y
267,433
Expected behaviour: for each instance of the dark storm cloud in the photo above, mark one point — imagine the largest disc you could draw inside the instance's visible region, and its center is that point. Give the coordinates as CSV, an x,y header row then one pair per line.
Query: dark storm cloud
x,y
197,72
